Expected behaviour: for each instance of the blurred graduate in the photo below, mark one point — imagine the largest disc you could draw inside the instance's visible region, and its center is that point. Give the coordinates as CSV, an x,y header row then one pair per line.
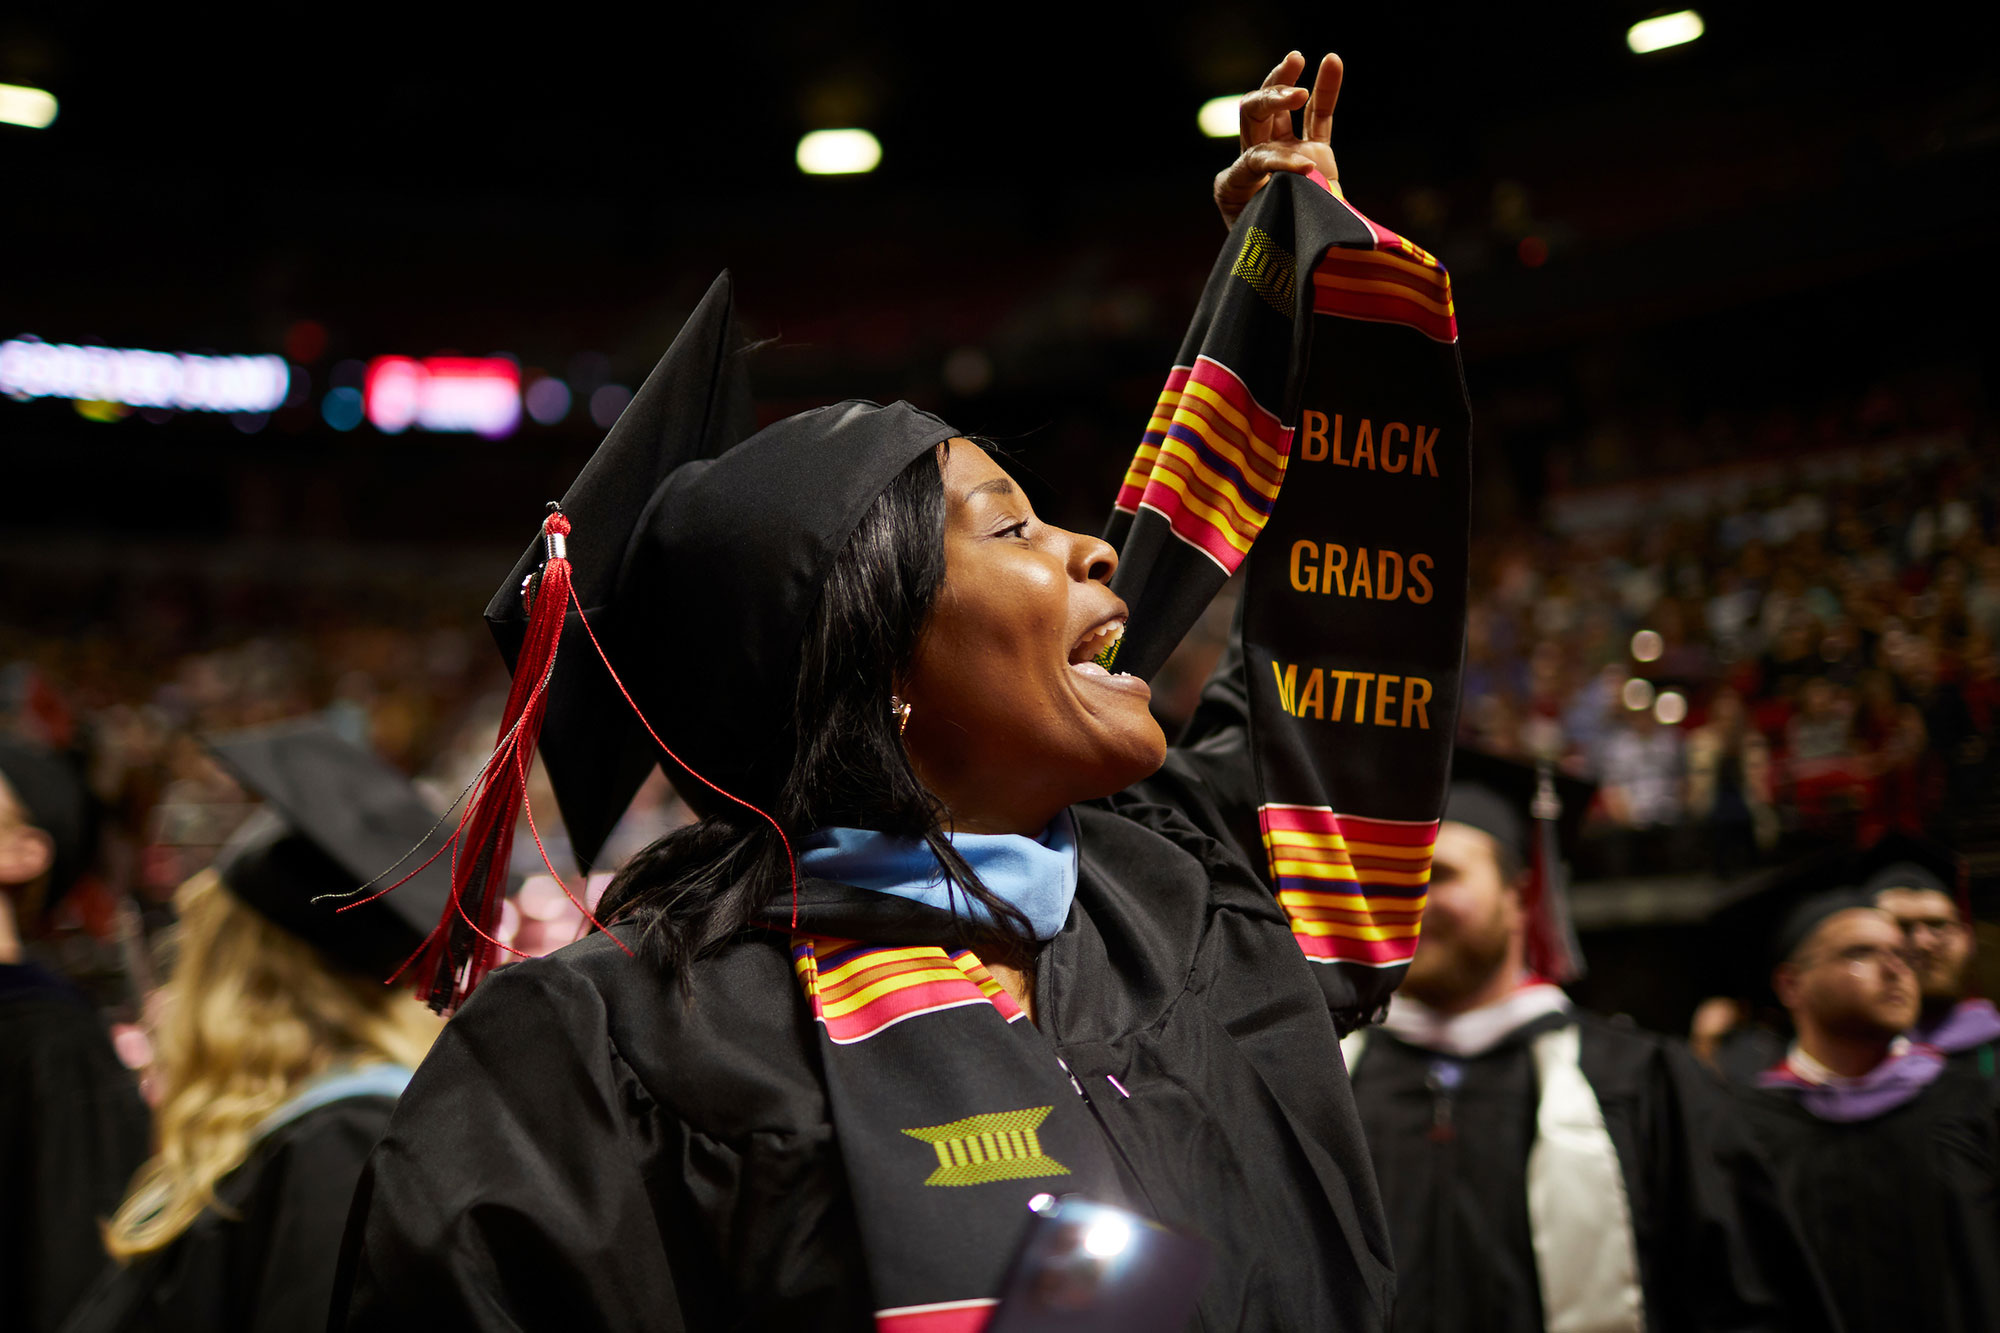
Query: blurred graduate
x,y
281,1052
1542,1167
72,1126
1887,1148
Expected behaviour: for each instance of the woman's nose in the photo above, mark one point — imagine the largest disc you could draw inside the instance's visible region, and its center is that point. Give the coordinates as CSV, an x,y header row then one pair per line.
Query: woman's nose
x,y
1091,558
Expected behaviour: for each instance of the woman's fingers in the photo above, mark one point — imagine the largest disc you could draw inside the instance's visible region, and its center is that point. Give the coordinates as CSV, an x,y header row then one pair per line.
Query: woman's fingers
x,y
1237,183
1257,110
1266,115
1319,107
1286,71
1266,140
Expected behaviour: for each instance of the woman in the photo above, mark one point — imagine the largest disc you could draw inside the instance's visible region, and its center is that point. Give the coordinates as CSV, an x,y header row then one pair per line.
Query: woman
x,y
280,1052
1003,970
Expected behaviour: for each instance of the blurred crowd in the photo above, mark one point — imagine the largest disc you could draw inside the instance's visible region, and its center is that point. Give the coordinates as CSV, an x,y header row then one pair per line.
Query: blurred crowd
x,y
1752,656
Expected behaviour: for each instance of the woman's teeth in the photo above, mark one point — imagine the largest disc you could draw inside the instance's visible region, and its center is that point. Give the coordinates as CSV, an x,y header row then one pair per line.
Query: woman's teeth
x,y
1101,647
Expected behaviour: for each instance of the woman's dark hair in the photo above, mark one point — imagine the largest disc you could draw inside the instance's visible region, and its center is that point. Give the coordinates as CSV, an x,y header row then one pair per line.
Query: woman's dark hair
x,y
701,885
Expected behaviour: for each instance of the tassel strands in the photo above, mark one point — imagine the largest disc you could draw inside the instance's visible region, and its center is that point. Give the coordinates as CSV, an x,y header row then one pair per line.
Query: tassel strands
x,y
464,948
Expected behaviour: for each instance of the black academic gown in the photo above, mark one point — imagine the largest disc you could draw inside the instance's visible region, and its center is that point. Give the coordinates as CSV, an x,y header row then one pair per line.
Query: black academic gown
x,y
264,1261
586,1148
72,1132
1715,1248
1903,1211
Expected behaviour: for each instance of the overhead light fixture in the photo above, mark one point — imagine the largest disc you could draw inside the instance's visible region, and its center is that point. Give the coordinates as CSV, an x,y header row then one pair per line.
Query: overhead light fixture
x,y
1664,30
1219,118
839,152
26,106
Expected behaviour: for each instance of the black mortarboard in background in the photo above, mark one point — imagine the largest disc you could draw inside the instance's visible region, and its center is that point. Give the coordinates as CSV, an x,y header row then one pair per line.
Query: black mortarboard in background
x,y
1536,812
335,817
1757,920
1804,919
57,801
1899,861
699,555
1744,924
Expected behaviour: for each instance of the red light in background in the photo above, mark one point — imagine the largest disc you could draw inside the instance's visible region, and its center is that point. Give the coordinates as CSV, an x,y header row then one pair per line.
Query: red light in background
x,y
475,395
1533,251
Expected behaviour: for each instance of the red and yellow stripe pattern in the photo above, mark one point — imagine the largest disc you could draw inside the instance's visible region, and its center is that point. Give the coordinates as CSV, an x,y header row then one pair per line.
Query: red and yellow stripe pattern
x,y
857,990
1398,282
1353,888
1210,462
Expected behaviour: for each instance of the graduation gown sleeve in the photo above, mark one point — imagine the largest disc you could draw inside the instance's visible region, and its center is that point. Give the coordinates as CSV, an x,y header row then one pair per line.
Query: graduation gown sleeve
x,y
72,1132
1209,776
579,1150
504,1195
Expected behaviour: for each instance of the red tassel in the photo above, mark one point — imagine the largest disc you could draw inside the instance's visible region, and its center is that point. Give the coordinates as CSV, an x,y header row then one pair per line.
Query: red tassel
x,y
463,948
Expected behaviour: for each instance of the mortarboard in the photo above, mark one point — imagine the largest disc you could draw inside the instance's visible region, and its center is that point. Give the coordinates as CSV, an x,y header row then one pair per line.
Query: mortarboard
x,y
1536,812
56,801
1899,861
334,817
1762,918
1804,919
696,553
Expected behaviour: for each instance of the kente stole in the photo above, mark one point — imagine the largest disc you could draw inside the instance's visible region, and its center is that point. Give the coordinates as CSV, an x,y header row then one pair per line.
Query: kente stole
x,y
1317,413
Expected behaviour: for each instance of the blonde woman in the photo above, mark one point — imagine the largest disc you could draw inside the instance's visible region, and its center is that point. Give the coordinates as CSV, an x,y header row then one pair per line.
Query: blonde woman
x,y
281,1051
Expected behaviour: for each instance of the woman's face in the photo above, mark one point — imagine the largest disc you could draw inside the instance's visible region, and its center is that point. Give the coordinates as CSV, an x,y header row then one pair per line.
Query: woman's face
x,y
1010,720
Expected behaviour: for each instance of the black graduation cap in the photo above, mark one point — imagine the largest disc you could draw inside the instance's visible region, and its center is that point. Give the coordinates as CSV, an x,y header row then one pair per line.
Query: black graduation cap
x,y
1752,917
55,800
1536,811
698,551
1760,919
1900,861
334,818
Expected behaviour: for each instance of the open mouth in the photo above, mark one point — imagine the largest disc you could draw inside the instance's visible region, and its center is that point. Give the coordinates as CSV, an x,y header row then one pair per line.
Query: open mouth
x,y
1093,654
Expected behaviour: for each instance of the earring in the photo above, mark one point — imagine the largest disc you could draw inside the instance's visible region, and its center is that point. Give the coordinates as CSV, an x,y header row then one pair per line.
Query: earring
x,y
901,712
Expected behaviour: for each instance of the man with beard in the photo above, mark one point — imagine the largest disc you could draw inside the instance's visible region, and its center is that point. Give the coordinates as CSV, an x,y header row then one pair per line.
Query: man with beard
x,y
1890,1159
1964,1029
1544,1168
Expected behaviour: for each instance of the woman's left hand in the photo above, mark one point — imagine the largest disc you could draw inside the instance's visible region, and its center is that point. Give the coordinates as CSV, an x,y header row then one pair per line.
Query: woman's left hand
x,y
1266,142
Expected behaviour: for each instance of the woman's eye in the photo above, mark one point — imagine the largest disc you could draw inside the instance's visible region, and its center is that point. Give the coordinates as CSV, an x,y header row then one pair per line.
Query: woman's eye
x,y
1014,530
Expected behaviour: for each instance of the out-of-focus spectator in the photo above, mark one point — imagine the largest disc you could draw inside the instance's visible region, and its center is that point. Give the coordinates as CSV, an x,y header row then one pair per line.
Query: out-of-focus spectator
x,y
72,1127
1729,786
1640,769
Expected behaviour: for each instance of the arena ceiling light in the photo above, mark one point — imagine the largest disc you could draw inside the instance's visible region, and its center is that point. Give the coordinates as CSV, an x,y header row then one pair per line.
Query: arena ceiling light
x,y
1218,116
26,106
1664,30
839,152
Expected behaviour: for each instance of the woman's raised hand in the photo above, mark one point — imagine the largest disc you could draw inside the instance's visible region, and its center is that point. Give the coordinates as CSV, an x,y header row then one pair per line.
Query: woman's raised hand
x,y
1266,140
